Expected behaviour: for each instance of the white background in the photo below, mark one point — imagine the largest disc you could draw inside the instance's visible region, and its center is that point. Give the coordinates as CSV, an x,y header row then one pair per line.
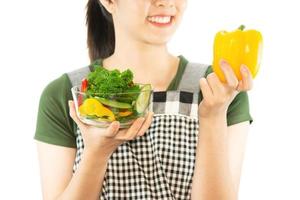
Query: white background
x,y
40,40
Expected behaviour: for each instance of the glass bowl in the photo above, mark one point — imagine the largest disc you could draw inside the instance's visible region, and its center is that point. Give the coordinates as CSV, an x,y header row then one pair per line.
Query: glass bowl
x,y
101,109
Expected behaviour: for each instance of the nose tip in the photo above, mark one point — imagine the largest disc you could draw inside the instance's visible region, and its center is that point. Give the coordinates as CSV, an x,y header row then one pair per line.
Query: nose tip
x,y
164,3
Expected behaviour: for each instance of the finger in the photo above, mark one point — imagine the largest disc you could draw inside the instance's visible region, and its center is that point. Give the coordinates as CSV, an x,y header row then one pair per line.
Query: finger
x,y
205,88
215,84
146,124
132,130
230,76
113,129
246,77
74,116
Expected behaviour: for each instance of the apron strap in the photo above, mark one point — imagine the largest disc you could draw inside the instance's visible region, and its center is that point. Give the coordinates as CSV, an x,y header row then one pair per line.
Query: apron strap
x,y
191,76
76,76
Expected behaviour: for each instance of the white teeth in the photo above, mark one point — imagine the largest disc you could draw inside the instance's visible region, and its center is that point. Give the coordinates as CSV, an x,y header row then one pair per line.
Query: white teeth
x,y
162,20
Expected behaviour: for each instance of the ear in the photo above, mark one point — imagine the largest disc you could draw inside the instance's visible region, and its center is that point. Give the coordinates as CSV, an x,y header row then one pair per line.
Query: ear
x,y
109,5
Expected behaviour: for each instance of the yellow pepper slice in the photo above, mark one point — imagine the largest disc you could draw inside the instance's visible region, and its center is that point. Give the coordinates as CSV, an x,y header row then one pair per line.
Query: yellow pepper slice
x,y
238,47
92,106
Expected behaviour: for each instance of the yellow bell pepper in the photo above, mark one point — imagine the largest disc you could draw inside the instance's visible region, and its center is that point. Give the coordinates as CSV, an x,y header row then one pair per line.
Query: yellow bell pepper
x,y
238,47
92,106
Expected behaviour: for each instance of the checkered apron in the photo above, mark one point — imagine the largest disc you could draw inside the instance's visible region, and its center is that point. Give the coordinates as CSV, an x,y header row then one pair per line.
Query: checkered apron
x,y
160,164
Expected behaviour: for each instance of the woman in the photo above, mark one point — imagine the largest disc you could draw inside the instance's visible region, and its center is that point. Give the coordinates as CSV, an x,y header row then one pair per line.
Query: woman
x,y
176,151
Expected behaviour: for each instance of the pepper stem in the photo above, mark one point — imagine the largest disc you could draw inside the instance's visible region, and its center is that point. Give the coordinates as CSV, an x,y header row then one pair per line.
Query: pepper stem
x,y
242,27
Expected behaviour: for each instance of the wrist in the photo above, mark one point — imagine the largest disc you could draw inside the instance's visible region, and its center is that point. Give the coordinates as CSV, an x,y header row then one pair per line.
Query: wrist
x,y
219,116
214,127
96,154
93,163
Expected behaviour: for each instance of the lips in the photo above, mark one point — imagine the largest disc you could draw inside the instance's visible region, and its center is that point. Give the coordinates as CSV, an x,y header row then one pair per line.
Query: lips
x,y
160,20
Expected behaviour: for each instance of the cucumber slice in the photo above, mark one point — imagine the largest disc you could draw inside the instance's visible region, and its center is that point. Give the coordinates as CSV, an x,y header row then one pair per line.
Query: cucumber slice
x,y
91,117
112,103
143,99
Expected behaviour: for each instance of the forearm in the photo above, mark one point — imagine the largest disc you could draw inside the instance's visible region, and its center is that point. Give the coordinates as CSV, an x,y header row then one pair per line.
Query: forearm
x,y
86,182
212,178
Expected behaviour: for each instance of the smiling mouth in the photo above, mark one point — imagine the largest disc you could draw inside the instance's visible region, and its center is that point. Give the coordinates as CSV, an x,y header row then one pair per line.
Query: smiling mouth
x,y
161,21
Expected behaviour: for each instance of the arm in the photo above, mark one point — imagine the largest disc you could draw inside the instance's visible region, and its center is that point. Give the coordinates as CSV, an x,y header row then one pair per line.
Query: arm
x,y
219,158
220,148
237,137
56,164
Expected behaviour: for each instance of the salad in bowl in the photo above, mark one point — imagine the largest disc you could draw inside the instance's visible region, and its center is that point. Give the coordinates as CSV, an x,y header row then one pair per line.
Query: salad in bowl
x,y
105,96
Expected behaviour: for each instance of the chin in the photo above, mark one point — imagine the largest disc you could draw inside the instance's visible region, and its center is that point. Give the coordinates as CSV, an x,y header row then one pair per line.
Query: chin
x,y
157,40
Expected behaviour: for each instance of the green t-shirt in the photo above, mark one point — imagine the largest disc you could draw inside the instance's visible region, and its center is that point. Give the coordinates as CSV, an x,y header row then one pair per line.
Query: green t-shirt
x,y
55,126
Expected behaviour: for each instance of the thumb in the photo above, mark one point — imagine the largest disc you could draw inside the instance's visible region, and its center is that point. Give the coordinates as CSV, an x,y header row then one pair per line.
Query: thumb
x,y
113,129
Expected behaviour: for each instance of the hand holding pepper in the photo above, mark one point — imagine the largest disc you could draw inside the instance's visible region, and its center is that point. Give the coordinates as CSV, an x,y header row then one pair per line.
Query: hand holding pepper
x,y
218,95
237,57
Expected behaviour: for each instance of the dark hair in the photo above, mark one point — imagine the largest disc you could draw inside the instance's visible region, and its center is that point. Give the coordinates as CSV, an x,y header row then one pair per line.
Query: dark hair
x,y
100,31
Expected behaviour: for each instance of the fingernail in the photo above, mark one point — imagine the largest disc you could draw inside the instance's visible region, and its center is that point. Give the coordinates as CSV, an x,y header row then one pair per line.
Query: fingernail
x,y
69,102
223,62
202,80
223,65
244,70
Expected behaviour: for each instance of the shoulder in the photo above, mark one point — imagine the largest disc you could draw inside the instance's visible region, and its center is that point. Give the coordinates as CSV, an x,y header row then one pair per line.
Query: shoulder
x,y
59,89
54,125
56,88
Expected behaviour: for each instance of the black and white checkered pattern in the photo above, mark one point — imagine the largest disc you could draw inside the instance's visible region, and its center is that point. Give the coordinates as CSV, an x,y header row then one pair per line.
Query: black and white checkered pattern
x,y
160,164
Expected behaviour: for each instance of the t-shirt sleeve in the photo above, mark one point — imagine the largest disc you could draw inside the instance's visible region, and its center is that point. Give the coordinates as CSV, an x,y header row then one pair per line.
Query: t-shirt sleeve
x,y
239,109
54,125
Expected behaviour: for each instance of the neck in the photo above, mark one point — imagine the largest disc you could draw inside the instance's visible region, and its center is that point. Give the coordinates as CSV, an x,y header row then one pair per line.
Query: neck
x,y
139,56
150,63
